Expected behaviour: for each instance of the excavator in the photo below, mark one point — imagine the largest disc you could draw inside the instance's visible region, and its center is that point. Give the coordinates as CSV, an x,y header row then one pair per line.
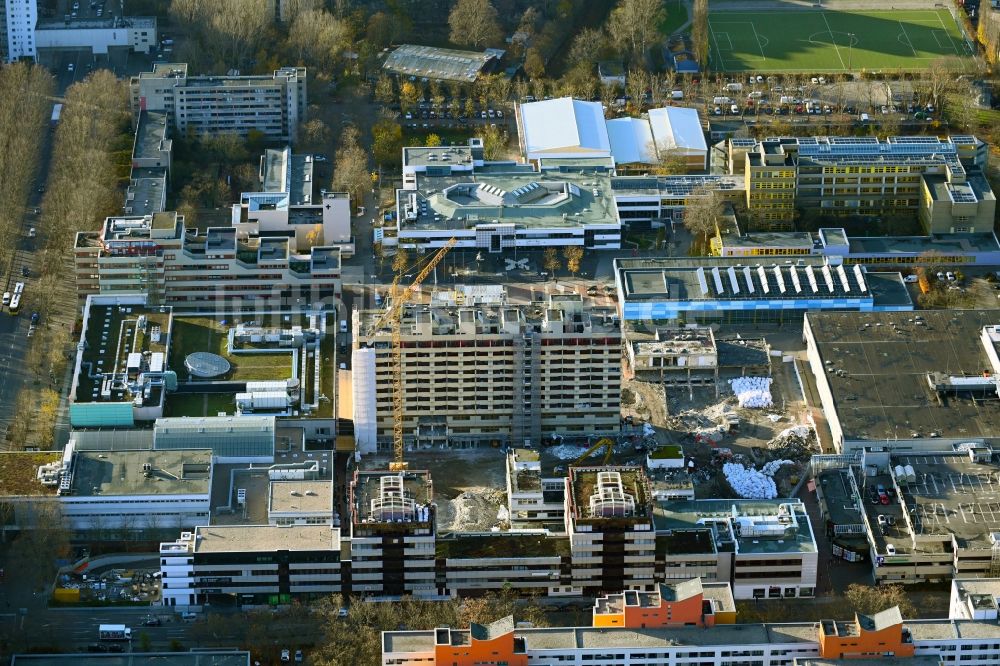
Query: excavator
x,y
607,444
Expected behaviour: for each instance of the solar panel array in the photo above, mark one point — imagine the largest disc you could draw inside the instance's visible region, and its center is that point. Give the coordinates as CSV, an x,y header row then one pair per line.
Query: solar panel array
x,y
672,185
962,194
781,281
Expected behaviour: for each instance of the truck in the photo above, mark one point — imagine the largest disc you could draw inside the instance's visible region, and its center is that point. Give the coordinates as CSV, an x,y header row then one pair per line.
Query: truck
x,y
114,632
56,113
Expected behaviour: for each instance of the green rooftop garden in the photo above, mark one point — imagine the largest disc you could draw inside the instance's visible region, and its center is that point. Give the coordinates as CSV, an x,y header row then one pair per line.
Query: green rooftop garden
x,y
503,545
208,334
667,452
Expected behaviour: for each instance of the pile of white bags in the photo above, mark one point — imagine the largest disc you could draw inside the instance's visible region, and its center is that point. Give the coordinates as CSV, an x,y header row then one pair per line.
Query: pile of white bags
x,y
751,483
752,392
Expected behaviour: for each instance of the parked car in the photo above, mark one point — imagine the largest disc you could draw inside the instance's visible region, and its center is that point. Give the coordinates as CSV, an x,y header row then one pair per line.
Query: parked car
x,y
890,549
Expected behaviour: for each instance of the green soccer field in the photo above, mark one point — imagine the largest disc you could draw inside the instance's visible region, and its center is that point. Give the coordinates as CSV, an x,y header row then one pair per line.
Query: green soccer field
x,y
830,41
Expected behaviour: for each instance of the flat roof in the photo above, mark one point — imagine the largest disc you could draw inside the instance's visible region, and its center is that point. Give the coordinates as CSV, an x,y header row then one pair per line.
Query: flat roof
x,y
946,244
19,473
147,190
800,240
109,22
839,499
877,365
685,514
111,473
150,133
266,538
437,156
109,339
952,495
674,186
366,488
564,127
511,195
740,279
200,658
436,63
301,497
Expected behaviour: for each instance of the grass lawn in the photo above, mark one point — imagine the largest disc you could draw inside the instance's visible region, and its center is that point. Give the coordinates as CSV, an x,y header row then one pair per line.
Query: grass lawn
x,y
831,41
199,404
191,334
676,17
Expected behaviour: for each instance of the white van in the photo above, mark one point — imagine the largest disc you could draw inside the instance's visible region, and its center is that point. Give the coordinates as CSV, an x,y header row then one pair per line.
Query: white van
x,y
720,101
865,118
677,94
734,87
343,326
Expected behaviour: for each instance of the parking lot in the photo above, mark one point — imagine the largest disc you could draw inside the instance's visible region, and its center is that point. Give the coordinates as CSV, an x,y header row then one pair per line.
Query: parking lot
x,y
114,586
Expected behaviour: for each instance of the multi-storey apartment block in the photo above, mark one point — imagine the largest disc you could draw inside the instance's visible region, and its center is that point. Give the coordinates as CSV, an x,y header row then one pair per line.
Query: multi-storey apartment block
x,y
392,533
609,520
940,180
490,375
157,255
272,105
17,29
257,565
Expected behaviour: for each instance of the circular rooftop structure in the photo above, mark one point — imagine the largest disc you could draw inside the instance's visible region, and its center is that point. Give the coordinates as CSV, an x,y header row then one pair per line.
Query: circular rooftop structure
x,y
206,364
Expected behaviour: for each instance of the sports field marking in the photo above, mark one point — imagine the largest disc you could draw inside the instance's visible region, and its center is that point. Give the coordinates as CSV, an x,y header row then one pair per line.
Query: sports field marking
x,y
759,45
908,41
729,41
941,43
722,61
944,29
834,40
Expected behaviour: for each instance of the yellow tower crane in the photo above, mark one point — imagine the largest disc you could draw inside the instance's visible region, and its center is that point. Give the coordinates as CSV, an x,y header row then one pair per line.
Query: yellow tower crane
x,y
398,298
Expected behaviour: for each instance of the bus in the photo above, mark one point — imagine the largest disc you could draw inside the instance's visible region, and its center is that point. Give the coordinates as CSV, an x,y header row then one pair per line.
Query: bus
x,y
15,304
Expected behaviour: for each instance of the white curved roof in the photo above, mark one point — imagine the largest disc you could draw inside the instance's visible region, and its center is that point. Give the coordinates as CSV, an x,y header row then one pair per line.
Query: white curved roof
x,y
564,127
677,127
631,141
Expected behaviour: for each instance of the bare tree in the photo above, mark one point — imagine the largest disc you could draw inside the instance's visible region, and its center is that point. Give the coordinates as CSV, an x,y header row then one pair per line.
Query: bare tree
x,y
474,23
586,47
702,210
350,170
633,24
699,31
318,37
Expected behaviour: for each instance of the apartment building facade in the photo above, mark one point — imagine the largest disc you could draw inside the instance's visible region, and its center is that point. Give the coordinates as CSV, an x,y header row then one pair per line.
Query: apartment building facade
x,y
609,520
392,533
158,256
938,180
272,105
17,29
485,375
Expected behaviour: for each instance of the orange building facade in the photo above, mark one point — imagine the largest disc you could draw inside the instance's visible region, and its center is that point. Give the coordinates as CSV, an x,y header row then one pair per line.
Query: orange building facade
x,y
683,603
878,635
483,645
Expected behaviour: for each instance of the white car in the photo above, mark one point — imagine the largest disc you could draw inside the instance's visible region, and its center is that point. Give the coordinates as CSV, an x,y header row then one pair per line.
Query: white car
x,y
890,549
71,67
286,655
910,278
6,298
